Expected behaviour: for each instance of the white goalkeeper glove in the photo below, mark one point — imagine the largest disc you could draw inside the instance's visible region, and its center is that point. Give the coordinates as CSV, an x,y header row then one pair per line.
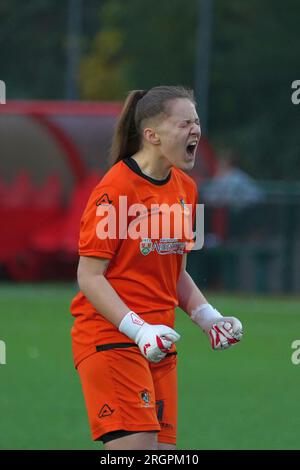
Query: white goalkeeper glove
x,y
154,341
223,332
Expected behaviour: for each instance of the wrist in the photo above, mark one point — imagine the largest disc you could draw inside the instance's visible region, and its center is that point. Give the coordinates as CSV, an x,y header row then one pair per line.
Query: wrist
x,y
131,324
205,315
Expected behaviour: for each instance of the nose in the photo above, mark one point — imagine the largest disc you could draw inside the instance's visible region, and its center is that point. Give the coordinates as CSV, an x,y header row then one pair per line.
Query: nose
x,y
196,130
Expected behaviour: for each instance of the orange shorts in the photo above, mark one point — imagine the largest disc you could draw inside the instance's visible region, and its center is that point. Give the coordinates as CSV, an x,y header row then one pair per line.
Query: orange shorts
x,y
123,391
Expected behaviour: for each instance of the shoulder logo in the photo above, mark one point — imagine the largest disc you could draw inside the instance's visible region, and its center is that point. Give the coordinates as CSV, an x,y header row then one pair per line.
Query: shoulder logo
x,y
103,200
105,411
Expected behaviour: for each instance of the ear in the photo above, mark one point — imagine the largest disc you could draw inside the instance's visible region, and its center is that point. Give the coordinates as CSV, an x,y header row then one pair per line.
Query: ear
x,y
151,136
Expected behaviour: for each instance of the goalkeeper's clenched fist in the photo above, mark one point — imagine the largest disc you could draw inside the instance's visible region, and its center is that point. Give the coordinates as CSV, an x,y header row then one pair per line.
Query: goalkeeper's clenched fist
x,y
223,332
154,341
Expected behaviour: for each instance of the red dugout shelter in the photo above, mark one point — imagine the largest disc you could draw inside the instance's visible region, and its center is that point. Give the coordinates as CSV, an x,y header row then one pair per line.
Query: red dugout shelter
x,y
52,154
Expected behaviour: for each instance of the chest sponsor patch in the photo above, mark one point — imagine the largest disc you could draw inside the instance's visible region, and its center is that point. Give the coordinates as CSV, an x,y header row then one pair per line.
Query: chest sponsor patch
x,y
164,246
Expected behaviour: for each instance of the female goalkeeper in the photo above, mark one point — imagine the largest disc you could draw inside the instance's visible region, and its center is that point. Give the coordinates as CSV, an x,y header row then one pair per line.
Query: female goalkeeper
x,y
131,280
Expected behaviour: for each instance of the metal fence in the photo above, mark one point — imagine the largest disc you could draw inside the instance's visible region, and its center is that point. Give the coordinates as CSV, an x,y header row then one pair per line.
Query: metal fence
x,y
253,248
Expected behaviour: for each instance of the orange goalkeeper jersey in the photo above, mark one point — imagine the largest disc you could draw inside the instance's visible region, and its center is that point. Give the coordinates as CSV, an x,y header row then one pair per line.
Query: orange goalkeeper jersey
x,y
145,265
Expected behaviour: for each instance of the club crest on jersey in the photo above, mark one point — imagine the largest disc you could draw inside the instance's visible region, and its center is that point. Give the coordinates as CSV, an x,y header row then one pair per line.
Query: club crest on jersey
x,y
181,202
146,246
183,205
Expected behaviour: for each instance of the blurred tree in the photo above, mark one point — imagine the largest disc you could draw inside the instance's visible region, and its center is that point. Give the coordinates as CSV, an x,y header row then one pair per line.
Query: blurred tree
x,y
154,45
136,44
103,72
256,46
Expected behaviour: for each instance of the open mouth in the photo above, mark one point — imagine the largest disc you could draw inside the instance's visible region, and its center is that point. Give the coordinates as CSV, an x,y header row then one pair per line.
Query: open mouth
x,y
191,148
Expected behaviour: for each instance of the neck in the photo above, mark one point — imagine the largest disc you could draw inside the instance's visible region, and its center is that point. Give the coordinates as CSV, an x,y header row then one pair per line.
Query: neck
x,y
153,166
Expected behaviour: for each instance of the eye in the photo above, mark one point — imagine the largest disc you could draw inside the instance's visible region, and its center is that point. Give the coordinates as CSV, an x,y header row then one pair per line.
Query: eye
x,y
188,122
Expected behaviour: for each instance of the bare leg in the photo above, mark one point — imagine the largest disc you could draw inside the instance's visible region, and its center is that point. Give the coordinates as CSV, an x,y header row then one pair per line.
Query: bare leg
x,y
162,446
137,441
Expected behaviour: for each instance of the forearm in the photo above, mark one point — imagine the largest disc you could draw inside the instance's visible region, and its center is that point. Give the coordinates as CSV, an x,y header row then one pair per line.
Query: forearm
x,y
222,331
189,295
193,302
103,297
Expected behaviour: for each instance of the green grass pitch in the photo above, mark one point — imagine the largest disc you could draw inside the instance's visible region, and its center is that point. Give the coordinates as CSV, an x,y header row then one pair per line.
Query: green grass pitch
x,y
243,398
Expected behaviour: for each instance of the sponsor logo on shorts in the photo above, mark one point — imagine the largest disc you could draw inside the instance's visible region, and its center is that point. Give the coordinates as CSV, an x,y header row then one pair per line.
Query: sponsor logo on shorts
x,y
105,411
145,396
